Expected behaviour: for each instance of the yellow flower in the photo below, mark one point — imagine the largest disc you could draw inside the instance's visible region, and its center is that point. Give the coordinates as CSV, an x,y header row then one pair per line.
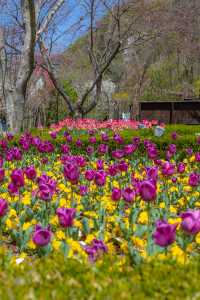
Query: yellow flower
x,y
174,220
9,224
140,243
56,245
31,245
12,213
143,217
178,254
192,158
63,202
26,225
77,224
181,201
197,239
54,220
89,238
173,189
187,188
60,235
26,200
196,194
124,246
111,248
173,209
162,205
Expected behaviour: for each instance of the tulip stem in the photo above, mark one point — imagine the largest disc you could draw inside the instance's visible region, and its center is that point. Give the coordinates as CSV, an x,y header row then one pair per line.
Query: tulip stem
x,y
149,228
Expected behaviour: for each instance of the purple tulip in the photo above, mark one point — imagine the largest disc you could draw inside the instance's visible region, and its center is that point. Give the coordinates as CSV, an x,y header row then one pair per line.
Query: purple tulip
x,y
69,138
100,178
136,140
191,221
47,187
181,168
9,136
2,175
80,160
44,179
92,140
147,190
172,148
72,172
104,137
90,175
169,155
45,192
83,189
174,179
122,166
152,152
3,144
17,153
95,249
65,134
118,154
118,139
65,149
79,143
189,151
3,207
99,245
194,179
174,135
197,157
17,178
165,233
128,194
91,132
90,150
152,173
44,160
1,161
113,170
30,172
102,149
129,149
13,189
53,134
116,194
41,236
168,169
66,216
100,164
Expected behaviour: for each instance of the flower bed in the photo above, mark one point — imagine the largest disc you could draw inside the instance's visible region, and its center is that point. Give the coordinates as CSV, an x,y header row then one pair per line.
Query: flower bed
x,y
95,124
109,198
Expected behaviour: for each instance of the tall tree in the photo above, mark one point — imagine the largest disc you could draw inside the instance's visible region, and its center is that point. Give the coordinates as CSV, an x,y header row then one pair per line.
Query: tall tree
x,y
110,24
31,20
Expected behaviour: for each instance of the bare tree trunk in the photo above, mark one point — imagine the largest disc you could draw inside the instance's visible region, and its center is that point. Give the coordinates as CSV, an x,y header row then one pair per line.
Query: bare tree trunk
x,y
10,108
135,107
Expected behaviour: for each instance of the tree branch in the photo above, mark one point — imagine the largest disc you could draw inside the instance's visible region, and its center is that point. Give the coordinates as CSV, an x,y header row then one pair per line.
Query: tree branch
x,y
53,76
104,68
49,17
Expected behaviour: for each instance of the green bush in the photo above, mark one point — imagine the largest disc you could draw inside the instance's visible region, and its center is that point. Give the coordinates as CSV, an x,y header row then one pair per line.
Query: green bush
x,y
187,138
57,278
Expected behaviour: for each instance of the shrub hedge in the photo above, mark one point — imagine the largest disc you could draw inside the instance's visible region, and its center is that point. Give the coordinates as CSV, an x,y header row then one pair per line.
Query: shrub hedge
x,y
187,137
56,278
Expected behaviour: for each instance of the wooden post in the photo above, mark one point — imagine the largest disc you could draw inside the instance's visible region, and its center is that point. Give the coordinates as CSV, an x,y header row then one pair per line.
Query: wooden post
x,y
171,112
139,110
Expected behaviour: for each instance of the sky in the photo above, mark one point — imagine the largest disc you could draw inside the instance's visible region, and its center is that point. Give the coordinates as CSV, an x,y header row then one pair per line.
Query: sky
x,y
71,22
